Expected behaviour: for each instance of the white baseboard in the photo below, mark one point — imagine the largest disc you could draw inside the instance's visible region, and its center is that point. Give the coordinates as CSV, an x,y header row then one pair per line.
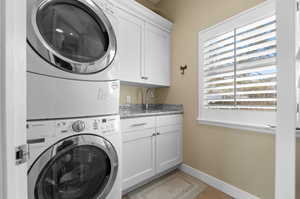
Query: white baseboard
x,y
218,184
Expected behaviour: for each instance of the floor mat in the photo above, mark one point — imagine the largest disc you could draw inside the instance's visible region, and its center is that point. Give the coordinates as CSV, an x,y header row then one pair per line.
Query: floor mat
x,y
174,186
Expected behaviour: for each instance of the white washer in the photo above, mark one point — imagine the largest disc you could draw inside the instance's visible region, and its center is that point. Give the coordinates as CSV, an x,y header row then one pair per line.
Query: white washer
x,y
75,159
72,59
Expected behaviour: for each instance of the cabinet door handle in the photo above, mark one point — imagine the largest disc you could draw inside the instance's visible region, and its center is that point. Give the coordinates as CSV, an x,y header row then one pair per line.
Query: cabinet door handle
x,y
145,78
140,124
157,133
154,134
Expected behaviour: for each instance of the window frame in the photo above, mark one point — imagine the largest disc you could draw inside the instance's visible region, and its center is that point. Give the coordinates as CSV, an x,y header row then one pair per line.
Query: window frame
x,y
254,120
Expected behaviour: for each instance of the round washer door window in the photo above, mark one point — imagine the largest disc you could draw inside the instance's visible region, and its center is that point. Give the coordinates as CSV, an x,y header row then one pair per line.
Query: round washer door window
x,y
76,170
73,35
79,173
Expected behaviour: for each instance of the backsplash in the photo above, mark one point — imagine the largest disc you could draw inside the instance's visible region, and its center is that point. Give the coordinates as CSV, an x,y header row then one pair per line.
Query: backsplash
x,y
135,94
138,110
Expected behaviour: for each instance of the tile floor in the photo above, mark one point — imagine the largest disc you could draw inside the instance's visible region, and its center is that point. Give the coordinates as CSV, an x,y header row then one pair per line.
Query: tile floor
x,y
208,193
212,193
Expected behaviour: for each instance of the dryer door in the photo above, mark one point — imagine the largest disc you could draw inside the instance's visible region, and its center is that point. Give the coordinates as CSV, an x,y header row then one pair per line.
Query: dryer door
x,y
77,167
72,35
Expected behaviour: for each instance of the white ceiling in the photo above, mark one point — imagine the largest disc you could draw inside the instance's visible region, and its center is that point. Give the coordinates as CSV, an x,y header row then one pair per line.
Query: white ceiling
x,y
154,1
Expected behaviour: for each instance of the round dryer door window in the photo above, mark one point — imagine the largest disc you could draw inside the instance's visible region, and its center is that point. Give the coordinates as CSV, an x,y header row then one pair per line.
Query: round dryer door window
x,y
73,35
78,167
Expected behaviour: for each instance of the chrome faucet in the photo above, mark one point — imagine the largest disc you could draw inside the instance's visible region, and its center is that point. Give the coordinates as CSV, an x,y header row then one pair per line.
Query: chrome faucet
x,y
148,93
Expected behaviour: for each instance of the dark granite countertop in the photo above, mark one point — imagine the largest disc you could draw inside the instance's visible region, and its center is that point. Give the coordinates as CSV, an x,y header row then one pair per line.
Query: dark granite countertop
x,y
138,110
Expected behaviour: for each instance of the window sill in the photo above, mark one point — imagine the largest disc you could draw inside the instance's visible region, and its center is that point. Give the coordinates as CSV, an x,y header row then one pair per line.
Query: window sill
x,y
247,127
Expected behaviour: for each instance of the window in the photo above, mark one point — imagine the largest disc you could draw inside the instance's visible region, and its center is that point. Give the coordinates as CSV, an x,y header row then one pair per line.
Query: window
x,y
237,69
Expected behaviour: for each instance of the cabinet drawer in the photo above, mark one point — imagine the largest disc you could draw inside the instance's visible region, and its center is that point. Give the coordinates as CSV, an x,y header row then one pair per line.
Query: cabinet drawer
x,y
166,120
134,124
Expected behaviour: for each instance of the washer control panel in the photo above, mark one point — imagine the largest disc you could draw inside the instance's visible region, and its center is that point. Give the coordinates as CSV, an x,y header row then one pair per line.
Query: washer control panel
x,y
89,125
51,128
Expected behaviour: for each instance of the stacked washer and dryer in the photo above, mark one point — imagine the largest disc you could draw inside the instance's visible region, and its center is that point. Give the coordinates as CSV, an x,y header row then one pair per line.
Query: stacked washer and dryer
x,y
73,100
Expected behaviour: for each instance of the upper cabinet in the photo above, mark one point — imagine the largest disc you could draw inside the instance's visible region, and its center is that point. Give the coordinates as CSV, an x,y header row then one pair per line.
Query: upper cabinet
x,y
131,36
144,46
157,56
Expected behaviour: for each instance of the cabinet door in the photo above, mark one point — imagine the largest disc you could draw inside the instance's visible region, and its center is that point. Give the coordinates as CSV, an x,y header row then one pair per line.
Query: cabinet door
x,y
168,147
131,36
138,157
157,56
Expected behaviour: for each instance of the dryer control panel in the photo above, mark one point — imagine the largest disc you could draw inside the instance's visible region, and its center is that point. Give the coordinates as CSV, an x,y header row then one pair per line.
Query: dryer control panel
x,y
43,130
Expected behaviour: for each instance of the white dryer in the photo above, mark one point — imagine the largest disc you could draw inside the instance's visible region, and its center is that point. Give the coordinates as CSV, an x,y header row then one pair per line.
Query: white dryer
x,y
72,60
74,159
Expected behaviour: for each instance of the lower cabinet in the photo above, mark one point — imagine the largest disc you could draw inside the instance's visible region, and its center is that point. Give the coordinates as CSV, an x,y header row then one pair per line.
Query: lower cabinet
x,y
152,150
168,147
138,157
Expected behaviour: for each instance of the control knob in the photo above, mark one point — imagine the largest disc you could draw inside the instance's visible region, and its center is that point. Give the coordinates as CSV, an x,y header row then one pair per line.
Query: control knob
x,y
78,126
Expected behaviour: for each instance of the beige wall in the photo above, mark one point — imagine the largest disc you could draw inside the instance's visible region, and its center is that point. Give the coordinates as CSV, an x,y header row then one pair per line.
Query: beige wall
x,y
150,5
147,4
135,93
243,159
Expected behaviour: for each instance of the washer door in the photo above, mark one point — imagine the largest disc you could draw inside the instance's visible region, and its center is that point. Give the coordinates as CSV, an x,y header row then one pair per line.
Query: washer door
x,y
78,167
73,35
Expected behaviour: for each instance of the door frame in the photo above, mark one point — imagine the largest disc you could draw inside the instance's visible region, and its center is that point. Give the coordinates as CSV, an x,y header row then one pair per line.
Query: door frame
x,y
12,97
285,139
1,105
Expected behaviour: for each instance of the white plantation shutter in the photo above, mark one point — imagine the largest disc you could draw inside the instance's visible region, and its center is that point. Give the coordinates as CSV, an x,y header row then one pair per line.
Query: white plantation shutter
x,y
237,70
219,71
240,68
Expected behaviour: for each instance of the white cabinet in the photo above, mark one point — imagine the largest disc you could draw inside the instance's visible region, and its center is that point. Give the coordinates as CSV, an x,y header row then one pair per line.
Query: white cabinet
x,y
168,142
138,157
138,138
157,56
168,147
151,145
144,47
130,46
